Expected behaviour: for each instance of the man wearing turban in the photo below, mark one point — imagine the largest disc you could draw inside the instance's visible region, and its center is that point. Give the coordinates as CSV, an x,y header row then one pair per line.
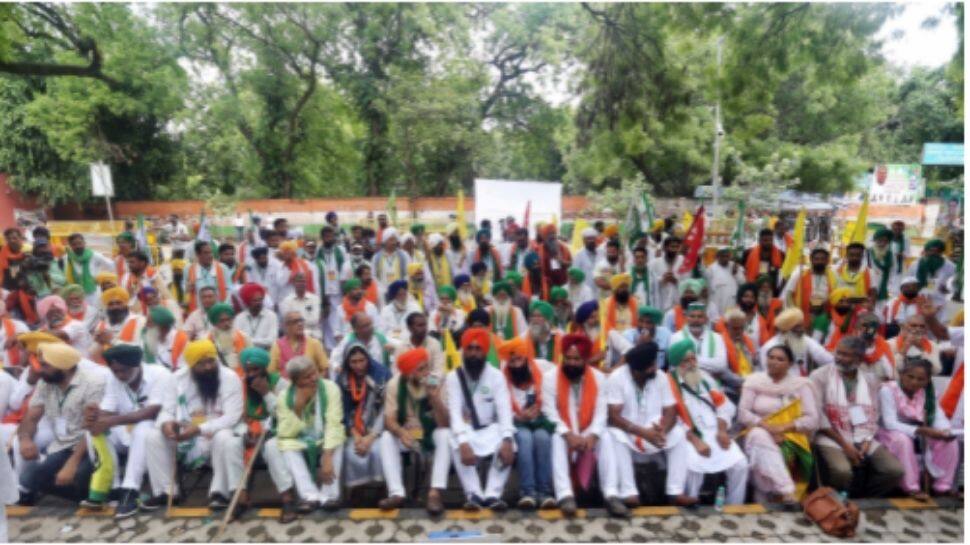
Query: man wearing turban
x,y
562,308
134,395
119,326
690,291
333,267
554,259
507,319
466,297
198,418
542,340
574,400
420,289
488,254
480,418
932,271
709,346
586,258
707,414
649,328
620,312
257,322
416,417
293,266
839,321
390,263
78,308
82,265
53,313
881,262
399,305
580,291
228,340
163,342
790,331
439,263
354,302
62,465
447,316
307,304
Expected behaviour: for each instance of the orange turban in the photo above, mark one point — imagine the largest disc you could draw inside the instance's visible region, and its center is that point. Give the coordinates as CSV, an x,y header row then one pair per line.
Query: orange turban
x,y
580,341
477,335
513,347
548,229
408,362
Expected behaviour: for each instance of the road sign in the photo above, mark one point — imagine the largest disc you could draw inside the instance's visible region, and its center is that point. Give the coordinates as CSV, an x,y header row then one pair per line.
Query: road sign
x,y
101,185
943,154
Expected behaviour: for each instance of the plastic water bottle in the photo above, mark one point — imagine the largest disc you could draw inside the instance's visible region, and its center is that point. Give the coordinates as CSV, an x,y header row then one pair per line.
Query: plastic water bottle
x,y
719,499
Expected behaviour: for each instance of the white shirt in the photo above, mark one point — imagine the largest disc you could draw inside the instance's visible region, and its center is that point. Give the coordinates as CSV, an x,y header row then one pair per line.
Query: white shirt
x,y
223,414
492,404
309,307
713,361
333,275
667,293
550,404
262,329
579,294
155,382
393,321
585,261
723,286
18,328
889,415
642,407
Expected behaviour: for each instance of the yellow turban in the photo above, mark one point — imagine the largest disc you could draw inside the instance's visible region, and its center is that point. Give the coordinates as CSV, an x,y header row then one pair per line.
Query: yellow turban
x,y
288,246
772,222
789,318
59,355
105,276
414,268
114,294
840,294
611,230
657,225
621,279
33,339
197,351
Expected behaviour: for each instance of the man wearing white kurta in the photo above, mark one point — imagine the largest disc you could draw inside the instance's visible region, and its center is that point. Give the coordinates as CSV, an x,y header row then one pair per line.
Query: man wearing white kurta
x,y
198,418
333,267
580,424
259,323
480,418
809,354
643,423
723,279
711,413
711,354
664,272
585,259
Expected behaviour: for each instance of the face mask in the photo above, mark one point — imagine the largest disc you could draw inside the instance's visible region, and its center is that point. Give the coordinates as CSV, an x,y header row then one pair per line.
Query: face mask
x,y
591,246
455,241
670,255
116,315
54,378
474,364
520,374
842,311
845,368
573,372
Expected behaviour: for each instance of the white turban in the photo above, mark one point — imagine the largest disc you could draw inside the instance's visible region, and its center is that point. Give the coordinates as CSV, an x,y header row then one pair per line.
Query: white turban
x,y
388,234
590,232
435,239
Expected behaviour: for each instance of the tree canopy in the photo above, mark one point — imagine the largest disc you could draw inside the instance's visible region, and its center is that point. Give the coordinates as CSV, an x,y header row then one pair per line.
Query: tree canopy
x,y
303,100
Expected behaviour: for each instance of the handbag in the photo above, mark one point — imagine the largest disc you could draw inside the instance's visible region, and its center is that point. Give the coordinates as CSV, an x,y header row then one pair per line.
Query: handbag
x,y
833,516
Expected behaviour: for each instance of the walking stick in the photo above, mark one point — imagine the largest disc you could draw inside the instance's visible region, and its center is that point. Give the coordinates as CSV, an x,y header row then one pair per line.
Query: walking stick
x,y
242,484
175,473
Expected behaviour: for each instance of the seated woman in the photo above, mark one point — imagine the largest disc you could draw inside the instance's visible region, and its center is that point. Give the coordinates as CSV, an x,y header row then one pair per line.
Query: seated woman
x,y
779,412
362,381
910,411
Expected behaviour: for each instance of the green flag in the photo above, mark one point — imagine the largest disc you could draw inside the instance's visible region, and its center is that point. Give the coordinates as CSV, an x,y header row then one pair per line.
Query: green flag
x,y
634,229
648,209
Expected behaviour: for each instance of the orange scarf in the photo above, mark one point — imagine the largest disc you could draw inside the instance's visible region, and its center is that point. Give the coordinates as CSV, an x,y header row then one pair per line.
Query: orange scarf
x,y
296,266
350,309
370,292
806,292
536,384
767,324
27,308
587,401
221,288
631,306
924,345
732,351
882,349
132,280
838,323
717,398
752,266
121,264
954,391
358,396
6,255
679,319
10,332
894,310
179,343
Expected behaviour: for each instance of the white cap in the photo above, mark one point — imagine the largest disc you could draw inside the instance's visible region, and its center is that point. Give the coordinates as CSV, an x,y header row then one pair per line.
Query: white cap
x,y
590,232
435,239
407,237
909,280
389,233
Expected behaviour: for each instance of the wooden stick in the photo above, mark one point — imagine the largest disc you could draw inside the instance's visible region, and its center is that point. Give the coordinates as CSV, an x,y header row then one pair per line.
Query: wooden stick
x,y
242,484
175,472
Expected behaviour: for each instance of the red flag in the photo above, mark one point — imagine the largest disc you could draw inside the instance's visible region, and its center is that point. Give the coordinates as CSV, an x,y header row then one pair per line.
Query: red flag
x,y
525,217
694,241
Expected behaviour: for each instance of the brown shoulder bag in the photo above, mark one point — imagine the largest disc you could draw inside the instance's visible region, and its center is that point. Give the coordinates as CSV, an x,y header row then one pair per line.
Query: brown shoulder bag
x,y
834,517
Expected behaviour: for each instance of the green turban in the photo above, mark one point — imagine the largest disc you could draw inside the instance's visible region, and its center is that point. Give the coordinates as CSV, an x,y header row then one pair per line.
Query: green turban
x,y
882,232
653,313
502,285
513,278
71,289
417,229
350,285
217,310
693,284
161,316
255,357
448,291
543,308
558,293
127,237
576,274
678,351
935,243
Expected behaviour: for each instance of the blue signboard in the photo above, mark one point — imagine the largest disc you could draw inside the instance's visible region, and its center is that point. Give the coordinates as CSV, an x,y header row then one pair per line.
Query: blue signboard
x,y
943,154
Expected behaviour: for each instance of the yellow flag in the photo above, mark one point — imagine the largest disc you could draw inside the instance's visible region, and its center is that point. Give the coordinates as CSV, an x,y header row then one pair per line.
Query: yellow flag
x,y
452,357
602,313
687,221
859,231
794,255
460,213
578,227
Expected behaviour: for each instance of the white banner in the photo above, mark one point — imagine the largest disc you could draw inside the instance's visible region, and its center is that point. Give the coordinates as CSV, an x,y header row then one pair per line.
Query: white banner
x,y
101,184
499,199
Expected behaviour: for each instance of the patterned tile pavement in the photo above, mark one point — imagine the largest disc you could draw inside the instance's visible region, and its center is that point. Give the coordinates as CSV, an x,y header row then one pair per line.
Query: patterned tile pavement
x,y
881,522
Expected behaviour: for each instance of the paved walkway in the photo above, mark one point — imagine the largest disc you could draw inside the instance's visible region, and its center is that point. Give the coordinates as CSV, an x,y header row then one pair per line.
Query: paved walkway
x,y
882,521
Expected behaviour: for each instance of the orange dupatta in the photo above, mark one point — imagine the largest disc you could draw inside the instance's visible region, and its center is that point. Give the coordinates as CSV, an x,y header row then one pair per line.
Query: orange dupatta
x,y
954,391
732,351
752,265
611,312
587,400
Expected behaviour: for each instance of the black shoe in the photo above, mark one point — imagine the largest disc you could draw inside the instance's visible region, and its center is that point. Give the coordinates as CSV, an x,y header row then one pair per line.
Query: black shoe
x,y
617,508
154,503
568,507
473,503
496,504
218,502
527,503
331,506
128,505
547,502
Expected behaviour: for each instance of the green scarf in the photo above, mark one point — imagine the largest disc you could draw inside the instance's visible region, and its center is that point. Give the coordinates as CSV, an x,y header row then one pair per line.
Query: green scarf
x,y
321,268
87,281
885,268
507,330
640,279
309,437
821,323
927,267
386,360
423,410
258,410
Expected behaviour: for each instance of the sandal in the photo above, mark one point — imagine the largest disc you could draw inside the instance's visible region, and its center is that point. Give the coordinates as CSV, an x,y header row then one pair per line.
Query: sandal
x,y
288,513
306,507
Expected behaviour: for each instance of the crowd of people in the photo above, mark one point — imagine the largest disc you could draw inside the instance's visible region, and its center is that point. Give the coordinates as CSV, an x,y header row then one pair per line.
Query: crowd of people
x,y
331,360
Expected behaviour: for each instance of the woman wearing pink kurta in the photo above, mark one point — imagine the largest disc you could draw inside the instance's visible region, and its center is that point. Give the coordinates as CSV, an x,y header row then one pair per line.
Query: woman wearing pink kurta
x,y
762,395
910,411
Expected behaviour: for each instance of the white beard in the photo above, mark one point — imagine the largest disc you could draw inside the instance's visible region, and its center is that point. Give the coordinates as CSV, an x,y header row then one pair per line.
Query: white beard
x,y
502,311
692,378
797,345
222,339
400,307
151,339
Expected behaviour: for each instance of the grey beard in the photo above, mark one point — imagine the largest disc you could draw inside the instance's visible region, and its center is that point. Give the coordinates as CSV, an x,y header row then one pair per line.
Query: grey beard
x,y
692,378
539,332
797,344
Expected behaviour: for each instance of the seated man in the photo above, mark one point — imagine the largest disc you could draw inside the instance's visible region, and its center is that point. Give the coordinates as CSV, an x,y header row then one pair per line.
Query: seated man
x,y
690,292
196,423
533,431
418,337
164,344
711,354
790,331
257,322
447,316
846,440
914,343
132,400
415,420
228,340
542,341
741,351
480,416
643,422
708,413
507,319
362,381
294,343
398,306
309,438
61,397
353,303
561,307
364,332
120,324
574,399
648,329
197,323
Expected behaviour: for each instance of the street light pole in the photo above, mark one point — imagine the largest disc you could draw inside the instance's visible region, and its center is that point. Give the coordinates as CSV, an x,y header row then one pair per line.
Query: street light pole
x,y
718,133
